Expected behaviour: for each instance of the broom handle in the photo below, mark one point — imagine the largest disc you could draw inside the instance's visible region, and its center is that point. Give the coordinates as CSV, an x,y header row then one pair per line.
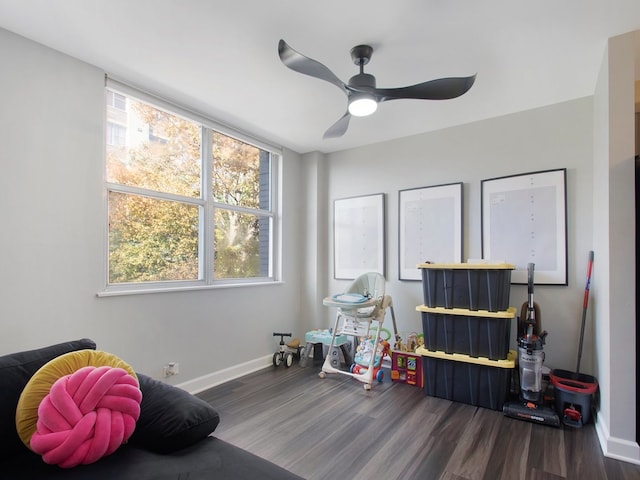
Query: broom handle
x,y
585,302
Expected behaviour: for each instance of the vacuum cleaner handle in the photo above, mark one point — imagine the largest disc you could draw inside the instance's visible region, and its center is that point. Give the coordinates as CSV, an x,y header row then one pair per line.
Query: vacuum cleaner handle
x,y
531,311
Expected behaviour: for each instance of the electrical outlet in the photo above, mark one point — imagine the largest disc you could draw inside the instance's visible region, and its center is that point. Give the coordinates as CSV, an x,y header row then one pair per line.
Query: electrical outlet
x,y
171,368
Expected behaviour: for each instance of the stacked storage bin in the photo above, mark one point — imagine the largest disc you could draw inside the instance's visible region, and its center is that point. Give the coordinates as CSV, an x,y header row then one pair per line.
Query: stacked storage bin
x,y
466,322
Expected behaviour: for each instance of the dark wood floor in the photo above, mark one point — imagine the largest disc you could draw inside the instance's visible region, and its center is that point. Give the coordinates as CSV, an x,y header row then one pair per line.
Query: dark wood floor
x,y
333,429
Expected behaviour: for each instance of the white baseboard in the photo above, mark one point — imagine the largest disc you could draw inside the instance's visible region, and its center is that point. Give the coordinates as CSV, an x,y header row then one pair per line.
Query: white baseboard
x,y
617,448
210,380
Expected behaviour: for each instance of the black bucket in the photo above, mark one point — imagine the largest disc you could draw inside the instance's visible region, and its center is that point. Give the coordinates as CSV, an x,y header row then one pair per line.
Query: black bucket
x,y
573,393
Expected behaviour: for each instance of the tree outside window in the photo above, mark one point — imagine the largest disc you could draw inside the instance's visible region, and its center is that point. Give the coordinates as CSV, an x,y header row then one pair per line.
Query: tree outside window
x,y
167,223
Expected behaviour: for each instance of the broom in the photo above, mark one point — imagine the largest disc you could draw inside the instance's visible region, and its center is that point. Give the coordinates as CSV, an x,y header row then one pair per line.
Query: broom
x,y
585,302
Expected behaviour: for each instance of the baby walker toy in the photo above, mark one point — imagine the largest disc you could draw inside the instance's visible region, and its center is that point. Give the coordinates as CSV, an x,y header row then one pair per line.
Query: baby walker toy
x,y
286,352
363,360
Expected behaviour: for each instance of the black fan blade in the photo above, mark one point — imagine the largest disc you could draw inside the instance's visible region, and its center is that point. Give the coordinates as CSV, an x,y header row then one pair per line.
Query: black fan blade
x,y
339,128
301,64
440,89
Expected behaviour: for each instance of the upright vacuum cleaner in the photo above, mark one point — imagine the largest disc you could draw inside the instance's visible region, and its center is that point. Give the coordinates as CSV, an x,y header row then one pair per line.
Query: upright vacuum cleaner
x,y
530,406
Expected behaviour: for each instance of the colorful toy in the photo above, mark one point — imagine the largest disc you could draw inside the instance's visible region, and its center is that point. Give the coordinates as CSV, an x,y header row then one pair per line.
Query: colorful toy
x,y
315,339
406,367
363,361
414,340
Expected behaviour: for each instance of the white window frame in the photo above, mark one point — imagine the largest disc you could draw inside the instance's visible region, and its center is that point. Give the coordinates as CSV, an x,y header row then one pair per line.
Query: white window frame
x,y
205,203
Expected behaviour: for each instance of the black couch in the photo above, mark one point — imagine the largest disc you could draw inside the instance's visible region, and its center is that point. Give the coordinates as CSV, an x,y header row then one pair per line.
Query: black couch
x,y
172,439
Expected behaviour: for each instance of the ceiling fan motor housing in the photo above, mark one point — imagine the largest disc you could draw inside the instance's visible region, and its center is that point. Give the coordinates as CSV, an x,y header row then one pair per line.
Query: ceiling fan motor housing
x,y
362,80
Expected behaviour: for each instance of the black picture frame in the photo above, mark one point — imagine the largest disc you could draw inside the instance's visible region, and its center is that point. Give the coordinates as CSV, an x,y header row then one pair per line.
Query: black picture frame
x,y
524,220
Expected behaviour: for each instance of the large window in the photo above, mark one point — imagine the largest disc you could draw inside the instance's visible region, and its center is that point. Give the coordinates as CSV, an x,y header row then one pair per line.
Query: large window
x,y
188,204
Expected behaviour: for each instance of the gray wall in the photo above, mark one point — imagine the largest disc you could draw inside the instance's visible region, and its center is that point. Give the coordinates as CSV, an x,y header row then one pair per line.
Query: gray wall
x,y
52,206
614,206
558,136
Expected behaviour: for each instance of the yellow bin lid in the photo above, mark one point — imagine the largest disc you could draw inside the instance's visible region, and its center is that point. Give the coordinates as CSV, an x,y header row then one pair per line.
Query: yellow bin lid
x,y
509,362
467,266
508,313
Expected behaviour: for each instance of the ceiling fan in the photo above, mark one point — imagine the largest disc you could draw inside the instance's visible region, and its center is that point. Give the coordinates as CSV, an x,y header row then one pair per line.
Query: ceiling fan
x,y
361,91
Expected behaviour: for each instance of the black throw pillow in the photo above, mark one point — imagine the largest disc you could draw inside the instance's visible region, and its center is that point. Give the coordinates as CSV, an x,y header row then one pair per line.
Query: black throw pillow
x,y
171,418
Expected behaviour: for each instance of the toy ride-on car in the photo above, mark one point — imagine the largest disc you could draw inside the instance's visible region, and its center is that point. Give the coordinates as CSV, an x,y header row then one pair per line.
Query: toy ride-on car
x,y
286,351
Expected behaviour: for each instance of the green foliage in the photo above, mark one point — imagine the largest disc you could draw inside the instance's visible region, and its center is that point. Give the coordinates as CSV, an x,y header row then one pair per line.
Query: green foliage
x,y
236,168
153,239
236,242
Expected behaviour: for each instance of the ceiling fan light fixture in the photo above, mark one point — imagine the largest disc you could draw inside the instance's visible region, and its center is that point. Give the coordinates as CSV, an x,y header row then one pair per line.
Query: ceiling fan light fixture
x,y
361,105
362,93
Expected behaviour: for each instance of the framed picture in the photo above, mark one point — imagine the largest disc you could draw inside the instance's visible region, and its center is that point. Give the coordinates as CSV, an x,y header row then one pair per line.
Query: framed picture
x,y
358,236
524,220
430,227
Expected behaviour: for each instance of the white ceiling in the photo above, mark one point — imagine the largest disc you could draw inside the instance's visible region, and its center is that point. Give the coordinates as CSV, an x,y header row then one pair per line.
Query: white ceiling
x,y
219,57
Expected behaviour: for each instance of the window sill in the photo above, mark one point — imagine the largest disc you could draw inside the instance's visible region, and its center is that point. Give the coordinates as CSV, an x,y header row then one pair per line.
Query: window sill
x,y
115,292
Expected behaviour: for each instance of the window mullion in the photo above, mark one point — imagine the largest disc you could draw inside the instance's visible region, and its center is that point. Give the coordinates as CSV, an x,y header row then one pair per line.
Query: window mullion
x,y
145,192
276,205
208,227
238,208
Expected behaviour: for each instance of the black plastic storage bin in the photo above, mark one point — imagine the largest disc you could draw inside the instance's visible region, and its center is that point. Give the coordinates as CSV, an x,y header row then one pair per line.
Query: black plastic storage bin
x,y
481,286
477,333
477,381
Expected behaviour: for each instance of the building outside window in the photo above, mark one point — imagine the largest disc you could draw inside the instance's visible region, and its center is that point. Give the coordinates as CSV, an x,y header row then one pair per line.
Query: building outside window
x,y
116,100
116,134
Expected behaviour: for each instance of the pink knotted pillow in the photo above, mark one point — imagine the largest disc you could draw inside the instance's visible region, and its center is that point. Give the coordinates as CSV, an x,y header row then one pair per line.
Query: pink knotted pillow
x,y
79,417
